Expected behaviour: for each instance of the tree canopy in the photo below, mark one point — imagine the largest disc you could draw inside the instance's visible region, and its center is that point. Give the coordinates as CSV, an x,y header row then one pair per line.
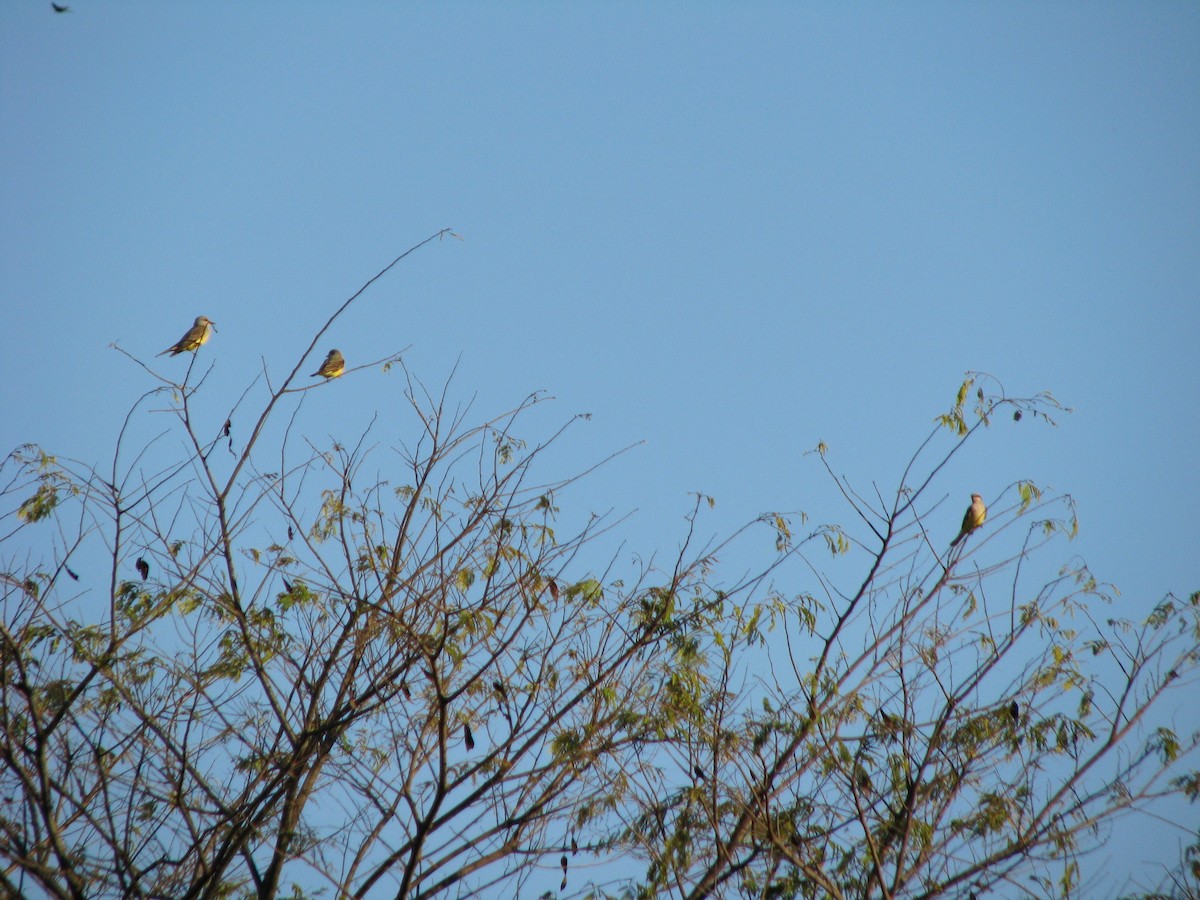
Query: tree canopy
x,y
325,668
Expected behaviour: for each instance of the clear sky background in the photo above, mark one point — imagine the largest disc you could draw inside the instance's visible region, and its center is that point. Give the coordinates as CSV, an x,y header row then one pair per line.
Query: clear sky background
x,y
727,230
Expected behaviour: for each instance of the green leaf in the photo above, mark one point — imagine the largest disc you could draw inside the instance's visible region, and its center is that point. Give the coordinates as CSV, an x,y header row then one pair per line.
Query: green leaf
x,y
464,578
40,505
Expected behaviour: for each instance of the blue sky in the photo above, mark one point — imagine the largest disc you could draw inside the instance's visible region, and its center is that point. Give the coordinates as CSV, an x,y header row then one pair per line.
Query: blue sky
x,y
728,231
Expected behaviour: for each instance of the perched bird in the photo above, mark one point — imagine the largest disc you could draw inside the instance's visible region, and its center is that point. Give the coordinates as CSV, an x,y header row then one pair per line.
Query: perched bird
x,y
469,738
975,516
334,365
143,568
196,335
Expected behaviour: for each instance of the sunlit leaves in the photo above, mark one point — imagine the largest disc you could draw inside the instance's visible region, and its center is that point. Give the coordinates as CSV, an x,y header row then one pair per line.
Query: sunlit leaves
x,y
963,389
464,578
136,604
476,621
31,584
295,594
992,814
835,541
588,591
370,558
1162,613
805,608
258,640
566,746
750,628
783,534
331,513
1165,744
1029,493
50,697
1188,785
507,447
51,479
954,419
1085,705
40,505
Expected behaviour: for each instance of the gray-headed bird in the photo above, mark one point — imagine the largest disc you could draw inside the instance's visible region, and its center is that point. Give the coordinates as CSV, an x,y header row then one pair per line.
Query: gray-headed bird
x,y
975,516
334,365
196,335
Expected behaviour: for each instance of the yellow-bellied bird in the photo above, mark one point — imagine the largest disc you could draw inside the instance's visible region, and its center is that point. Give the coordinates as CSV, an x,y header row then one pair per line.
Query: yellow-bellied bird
x,y
196,335
975,516
334,365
